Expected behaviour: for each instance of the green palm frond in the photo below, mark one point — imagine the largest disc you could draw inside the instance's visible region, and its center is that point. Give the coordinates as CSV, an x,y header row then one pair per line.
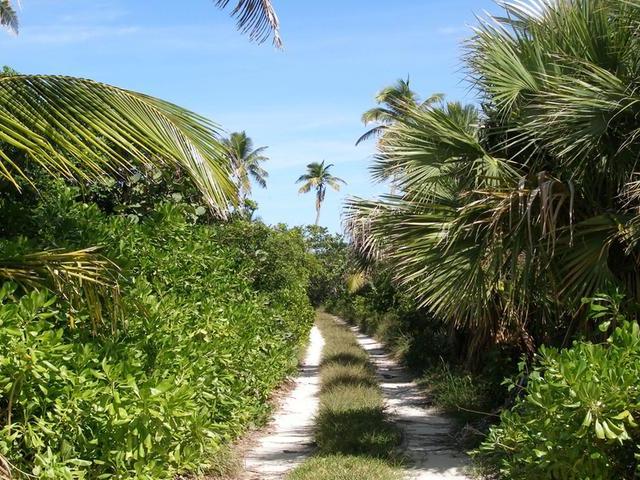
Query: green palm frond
x,y
356,281
257,18
82,129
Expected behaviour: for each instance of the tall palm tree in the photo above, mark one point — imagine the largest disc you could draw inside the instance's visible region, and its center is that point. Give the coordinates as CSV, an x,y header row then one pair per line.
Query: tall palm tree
x,y
318,177
245,164
392,102
509,215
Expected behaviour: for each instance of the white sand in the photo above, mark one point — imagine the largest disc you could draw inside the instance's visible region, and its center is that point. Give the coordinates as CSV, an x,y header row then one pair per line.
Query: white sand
x,y
288,440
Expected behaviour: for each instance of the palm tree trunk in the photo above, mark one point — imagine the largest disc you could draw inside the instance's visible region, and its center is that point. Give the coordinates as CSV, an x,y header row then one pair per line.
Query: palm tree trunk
x,y
318,206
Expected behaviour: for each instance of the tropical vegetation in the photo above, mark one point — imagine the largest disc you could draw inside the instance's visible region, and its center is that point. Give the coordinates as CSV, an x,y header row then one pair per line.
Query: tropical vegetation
x,y
145,318
513,224
210,320
141,334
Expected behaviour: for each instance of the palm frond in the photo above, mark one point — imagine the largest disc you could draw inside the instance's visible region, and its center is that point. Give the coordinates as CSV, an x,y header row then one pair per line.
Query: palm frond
x,y
257,18
82,277
356,281
8,16
372,133
85,130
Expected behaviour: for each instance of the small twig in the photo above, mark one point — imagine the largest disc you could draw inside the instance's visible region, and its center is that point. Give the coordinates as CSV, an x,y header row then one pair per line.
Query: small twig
x,y
478,412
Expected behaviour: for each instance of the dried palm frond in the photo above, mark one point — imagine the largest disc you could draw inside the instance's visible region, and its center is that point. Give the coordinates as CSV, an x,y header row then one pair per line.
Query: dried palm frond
x,y
82,277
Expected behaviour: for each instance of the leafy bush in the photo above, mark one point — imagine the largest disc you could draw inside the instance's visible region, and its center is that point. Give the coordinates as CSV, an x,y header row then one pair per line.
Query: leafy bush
x,y
577,416
213,318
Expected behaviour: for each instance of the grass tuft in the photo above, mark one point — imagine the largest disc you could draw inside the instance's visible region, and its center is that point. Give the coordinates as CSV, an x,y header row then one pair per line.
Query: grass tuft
x,y
339,467
354,437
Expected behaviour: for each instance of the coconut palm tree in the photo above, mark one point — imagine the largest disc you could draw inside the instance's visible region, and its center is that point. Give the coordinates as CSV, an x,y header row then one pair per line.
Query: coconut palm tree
x,y
509,215
245,163
318,177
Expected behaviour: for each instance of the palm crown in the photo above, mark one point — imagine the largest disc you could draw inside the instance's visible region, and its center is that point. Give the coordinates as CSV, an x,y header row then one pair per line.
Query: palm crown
x,y
245,163
393,102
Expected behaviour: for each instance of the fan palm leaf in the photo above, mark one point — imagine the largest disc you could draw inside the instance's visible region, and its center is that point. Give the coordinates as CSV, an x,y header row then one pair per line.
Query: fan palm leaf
x,y
507,216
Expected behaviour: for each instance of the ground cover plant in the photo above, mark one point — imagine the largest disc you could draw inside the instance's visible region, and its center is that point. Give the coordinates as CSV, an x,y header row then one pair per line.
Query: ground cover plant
x,y
428,348
353,435
211,321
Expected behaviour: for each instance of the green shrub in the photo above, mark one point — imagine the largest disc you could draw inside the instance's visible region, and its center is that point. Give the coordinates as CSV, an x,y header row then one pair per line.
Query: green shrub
x,y
213,319
577,416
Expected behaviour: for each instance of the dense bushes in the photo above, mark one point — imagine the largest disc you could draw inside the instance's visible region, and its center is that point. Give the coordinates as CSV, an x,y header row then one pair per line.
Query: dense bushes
x,y
213,317
576,418
330,255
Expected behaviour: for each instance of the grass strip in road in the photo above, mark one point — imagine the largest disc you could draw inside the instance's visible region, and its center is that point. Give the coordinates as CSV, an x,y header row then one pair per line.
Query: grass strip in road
x,y
353,435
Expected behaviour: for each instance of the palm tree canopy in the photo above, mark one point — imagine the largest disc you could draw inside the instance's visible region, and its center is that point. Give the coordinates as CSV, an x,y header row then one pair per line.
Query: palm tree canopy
x,y
318,176
245,161
509,215
393,102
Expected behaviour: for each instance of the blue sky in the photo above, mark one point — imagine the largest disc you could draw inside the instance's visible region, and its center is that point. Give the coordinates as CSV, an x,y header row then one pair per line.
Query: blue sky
x,y
304,102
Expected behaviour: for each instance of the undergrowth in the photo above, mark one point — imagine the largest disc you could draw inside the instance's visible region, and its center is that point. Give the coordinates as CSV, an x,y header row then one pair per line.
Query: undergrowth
x,y
213,319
